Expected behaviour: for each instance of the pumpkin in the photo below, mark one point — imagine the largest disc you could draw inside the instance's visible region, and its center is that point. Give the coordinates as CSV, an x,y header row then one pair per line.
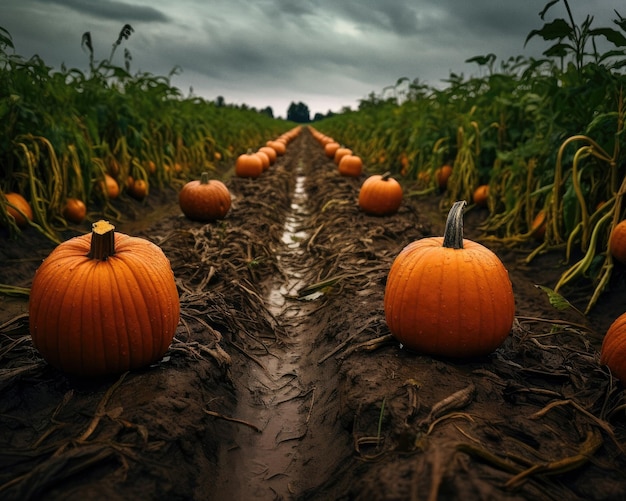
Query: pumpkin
x,y
351,166
449,296
380,195
205,199
19,208
138,189
481,195
265,159
110,187
442,174
103,303
331,148
279,146
538,226
613,350
617,242
74,210
248,165
270,152
340,153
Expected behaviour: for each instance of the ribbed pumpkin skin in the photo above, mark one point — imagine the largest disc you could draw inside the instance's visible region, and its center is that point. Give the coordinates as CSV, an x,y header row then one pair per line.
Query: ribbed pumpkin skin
x,y
613,351
380,196
94,318
450,302
204,201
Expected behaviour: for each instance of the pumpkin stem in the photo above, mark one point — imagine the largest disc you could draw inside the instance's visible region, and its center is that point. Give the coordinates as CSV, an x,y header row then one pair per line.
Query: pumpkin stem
x,y
385,176
453,234
102,240
204,178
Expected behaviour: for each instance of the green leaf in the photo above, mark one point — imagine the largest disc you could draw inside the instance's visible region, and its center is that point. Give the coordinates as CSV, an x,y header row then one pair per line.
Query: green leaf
x,y
613,36
556,300
556,30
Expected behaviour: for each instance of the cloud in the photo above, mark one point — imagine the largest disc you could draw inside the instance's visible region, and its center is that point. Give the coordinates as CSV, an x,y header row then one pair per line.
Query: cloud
x,y
278,51
112,10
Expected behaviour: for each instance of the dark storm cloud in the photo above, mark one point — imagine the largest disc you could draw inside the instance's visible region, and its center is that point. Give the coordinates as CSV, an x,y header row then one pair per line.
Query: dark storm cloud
x,y
264,52
117,11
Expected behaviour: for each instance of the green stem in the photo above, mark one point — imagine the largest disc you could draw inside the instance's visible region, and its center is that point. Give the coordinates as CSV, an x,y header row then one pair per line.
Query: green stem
x,y
453,234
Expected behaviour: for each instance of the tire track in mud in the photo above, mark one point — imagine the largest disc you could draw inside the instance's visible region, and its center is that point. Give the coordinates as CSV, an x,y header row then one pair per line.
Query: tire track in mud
x,y
278,393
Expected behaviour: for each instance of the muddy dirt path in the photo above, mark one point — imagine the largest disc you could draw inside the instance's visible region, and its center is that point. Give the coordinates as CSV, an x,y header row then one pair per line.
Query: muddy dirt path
x,y
271,393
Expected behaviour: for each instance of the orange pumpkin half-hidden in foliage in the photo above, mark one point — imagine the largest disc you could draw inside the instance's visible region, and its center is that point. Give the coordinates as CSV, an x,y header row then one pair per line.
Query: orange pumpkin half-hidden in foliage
x,y
449,296
204,200
103,303
617,242
380,195
24,212
613,351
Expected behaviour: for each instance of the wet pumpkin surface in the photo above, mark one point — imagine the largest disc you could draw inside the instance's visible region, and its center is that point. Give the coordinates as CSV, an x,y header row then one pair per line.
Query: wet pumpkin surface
x,y
283,381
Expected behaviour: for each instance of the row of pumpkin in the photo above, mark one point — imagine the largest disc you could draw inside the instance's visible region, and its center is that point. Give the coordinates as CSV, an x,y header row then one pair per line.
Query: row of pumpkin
x,y
444,296
455,276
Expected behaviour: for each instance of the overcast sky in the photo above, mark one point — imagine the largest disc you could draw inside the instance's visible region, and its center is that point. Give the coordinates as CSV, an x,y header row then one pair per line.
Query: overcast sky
x,y
325,53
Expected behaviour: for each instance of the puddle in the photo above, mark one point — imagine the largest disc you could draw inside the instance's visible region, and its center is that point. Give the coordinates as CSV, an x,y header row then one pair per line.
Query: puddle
x,y
265,464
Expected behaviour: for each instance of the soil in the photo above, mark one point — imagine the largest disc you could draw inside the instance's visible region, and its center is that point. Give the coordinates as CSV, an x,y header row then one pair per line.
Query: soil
x,y
283,381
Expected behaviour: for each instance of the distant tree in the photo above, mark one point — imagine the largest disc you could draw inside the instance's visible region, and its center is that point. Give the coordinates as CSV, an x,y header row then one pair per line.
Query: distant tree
x,y
219,101
298,113
268,111
318,116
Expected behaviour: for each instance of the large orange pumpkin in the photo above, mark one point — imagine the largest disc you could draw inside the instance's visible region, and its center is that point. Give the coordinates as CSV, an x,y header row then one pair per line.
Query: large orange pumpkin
x,y
449,296
204,200
613,351
351,165
248,165
380,195
617,242
24,212
103,303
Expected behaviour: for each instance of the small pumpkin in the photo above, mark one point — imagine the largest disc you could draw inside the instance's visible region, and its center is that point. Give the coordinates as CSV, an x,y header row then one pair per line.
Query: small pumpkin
x,y
279,146
205,199
74,210
265,159
380,195
110,187
103,303
331,148
481,195
613,350
538,226
449,296
442,175
351,166
270,152
617,242
138,189
19,208
248,165
340,153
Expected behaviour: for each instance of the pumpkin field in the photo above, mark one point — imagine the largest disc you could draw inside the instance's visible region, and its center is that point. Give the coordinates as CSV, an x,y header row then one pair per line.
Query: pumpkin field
x,y
419,299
